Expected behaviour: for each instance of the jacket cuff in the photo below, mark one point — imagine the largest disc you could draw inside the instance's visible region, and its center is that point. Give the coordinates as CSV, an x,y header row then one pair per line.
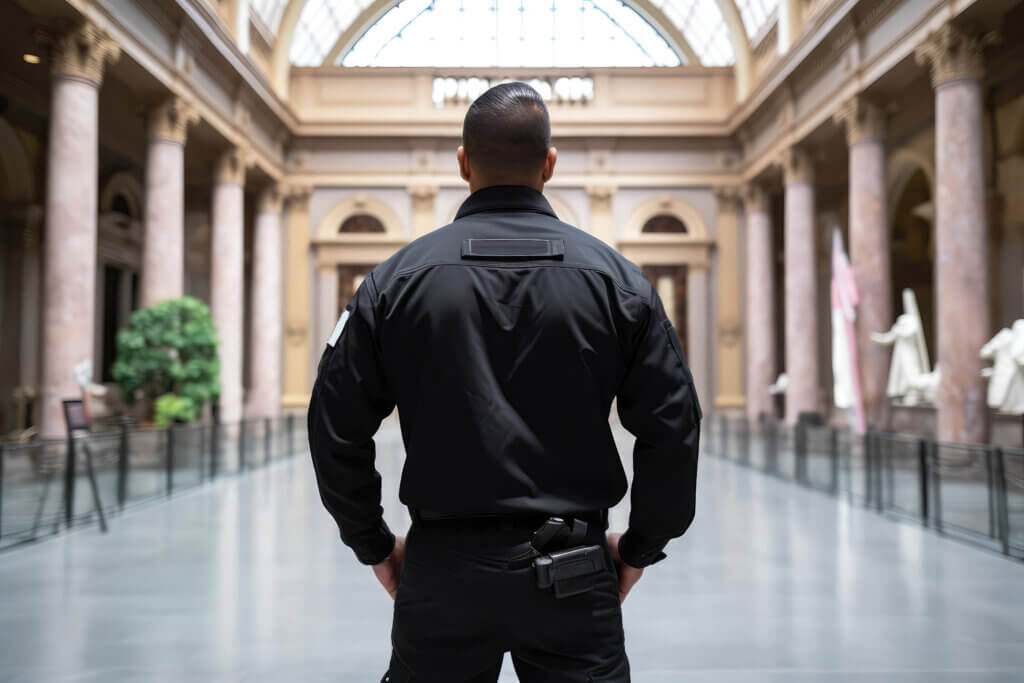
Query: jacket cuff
x,y
638,552
375,548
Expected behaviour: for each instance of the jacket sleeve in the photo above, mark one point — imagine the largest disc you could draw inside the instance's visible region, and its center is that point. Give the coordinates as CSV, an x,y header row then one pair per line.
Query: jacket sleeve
x,y
658,404
350,398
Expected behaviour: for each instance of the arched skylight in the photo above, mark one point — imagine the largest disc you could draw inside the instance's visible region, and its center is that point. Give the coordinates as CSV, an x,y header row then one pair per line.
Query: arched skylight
x,y
269,12
543,33
756,14
606,23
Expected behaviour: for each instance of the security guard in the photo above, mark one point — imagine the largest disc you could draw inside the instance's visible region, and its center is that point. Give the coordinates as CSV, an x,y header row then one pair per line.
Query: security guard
x,y
503,339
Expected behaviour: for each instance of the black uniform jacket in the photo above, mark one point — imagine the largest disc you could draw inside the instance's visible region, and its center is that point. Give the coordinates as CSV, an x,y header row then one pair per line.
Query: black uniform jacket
x,y
503,338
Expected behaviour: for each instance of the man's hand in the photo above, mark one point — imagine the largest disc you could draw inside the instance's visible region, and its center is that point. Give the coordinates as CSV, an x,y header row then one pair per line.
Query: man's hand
x,y
628,576
388,571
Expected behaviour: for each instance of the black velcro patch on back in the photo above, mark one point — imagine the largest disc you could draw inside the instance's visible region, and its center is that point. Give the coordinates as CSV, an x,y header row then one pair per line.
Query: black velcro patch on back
x,y
513,248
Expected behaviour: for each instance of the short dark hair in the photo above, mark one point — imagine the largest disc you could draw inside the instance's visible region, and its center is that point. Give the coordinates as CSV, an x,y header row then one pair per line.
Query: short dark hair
x,y
507,131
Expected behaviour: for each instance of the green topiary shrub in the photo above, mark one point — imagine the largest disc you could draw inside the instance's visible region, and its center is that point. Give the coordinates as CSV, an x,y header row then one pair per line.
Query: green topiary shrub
x,y
169,353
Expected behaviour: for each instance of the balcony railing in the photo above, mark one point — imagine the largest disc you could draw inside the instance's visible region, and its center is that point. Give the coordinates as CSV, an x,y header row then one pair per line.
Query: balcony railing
x,y
47,485
971,492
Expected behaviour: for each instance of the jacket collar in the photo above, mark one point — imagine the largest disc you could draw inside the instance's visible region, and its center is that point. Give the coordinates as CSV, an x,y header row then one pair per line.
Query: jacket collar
x,y
505,198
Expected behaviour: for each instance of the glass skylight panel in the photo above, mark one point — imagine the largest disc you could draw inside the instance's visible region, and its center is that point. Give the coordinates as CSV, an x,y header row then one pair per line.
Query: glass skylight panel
x,y
484,33
701,23
755,14
269,12
319,26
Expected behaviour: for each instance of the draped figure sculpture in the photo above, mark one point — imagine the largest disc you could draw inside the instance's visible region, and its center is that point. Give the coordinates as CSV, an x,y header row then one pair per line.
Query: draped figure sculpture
x,y
910,381
1006,376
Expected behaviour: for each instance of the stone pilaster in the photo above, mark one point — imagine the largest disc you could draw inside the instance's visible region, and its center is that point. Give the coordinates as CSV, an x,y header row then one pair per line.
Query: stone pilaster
x,y
70,237
801,286
423,216
760,304
299,364
267,299
961,231
697,337
227,281
601,210
163,252
729,328
869,248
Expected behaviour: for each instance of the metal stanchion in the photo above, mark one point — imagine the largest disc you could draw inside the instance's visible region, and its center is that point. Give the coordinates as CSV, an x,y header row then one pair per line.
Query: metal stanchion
x,y
922,466
69,482
122,464
170,459
267,433
1002,506
241,445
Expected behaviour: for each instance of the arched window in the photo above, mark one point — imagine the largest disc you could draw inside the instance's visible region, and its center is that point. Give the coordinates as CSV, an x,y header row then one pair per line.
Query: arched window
x,y
361,222
664,222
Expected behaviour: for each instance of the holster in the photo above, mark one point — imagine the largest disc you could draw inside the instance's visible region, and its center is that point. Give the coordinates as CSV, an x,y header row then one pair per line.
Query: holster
x,y
572,571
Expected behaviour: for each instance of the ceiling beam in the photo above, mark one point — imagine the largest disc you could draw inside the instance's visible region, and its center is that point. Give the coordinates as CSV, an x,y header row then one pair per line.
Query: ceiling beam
x,y
280,64
740,46
354,31
669,31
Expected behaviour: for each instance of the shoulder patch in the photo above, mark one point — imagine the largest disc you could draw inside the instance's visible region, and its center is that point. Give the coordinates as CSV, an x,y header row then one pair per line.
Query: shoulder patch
x,y
338,328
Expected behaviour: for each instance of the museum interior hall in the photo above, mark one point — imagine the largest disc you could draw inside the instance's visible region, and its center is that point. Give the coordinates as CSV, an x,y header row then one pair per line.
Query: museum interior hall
x,y
825,194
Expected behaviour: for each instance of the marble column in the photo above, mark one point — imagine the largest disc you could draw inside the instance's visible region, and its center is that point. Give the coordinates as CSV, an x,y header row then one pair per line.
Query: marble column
x,y
163,251
70,233
801,286
961,231
729,379
299,365
761,315
423,216
869,249
227,281
268,294
601,211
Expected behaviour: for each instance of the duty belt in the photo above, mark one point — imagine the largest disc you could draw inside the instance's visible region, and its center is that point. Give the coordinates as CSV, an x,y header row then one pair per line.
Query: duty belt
x,y
560,559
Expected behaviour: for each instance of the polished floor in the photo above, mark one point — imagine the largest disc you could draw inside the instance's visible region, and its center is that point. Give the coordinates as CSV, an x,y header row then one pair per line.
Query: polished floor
x,y
246,580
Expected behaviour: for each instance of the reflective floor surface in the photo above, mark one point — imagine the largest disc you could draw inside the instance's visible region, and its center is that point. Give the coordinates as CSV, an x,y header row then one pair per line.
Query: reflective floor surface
x,y
246,580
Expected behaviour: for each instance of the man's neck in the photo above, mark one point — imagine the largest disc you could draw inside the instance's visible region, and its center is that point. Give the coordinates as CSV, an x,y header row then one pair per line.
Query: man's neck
x,y
474,187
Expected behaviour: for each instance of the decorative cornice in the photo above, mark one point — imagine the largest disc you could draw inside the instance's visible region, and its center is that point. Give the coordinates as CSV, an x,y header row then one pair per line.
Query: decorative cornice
x,y
83,53
797,166
953,54
730,194
230,166
863,119
170,120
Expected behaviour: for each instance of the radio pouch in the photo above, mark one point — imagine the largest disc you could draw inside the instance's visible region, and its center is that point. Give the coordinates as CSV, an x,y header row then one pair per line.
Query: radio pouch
x,y
571,571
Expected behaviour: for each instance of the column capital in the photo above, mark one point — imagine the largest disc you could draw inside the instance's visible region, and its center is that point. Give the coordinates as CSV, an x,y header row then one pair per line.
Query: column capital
x,y
296,193
728,194
953,54
423,191
864,120
83,53
756,198
271,199
797,166
600,191
170,120
230,166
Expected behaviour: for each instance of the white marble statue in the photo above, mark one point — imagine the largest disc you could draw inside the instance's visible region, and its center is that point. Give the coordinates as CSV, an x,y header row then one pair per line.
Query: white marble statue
x,y
780,385
910,379
1006,376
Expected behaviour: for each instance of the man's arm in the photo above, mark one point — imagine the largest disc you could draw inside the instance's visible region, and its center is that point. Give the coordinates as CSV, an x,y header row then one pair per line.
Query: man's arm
x,y
350,398
658,404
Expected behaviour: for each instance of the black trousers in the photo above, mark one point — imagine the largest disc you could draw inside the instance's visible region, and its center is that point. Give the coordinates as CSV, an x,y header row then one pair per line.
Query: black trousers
x,y
460,607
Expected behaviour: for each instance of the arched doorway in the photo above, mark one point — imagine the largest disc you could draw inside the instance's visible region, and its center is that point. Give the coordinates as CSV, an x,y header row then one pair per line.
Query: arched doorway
x,y
913,249
669,280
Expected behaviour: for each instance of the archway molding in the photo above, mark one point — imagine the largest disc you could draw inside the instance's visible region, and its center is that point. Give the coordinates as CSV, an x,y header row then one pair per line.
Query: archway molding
x,y
903,164
360,203
697,230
